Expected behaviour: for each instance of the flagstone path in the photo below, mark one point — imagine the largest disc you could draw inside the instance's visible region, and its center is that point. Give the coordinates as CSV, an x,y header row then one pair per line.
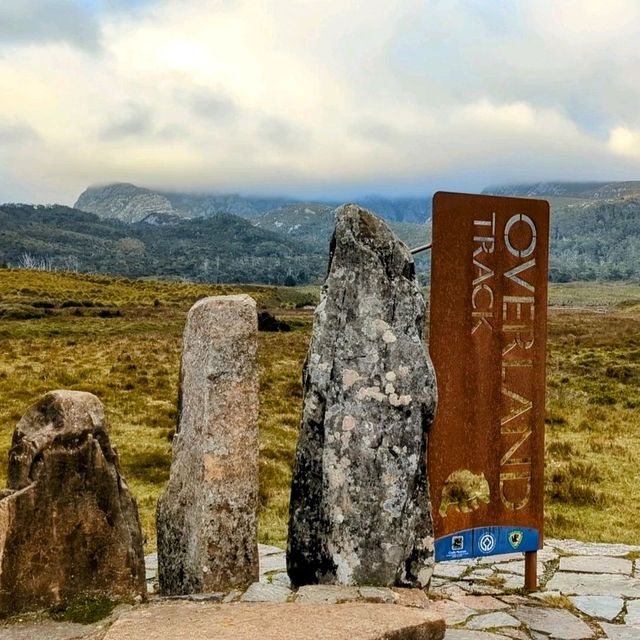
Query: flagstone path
x,y
587,590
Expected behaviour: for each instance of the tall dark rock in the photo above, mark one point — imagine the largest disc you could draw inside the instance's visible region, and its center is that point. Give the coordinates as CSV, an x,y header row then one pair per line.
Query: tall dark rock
x,y
360,510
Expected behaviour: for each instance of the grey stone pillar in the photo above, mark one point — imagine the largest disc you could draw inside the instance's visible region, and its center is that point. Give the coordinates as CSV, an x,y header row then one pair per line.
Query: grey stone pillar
x,y
360,511
206,519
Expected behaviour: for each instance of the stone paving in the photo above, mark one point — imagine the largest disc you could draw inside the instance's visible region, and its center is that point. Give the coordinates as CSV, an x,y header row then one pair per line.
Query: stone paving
x,y
587,591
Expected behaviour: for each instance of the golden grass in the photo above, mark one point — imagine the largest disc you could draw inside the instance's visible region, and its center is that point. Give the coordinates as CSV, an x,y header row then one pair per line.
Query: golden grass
x,y
594,294
593,425
281,356
130,361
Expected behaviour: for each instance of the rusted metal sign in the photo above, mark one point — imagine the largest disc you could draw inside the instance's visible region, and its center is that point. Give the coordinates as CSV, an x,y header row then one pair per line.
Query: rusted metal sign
x,y
489,274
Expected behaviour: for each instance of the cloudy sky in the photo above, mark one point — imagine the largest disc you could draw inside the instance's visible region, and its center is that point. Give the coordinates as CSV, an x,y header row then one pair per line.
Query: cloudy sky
x,y
315,97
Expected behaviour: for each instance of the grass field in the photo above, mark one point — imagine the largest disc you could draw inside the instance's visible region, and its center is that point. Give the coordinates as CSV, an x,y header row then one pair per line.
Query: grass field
x,y
121,340
593,415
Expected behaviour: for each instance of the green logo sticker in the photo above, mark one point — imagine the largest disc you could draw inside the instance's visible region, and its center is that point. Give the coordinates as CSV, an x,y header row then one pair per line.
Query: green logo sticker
x,y
515,539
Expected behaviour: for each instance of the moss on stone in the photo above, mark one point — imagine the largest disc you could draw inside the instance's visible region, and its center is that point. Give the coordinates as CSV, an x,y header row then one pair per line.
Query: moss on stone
x,y
85,609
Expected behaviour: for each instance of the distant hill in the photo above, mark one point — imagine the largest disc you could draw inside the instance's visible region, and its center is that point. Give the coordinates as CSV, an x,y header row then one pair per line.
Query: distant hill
x,y
130,203
288,245
595,227
591,238
579,190
399,209
596,240
201,205
140,232
125,202
313,223
219,248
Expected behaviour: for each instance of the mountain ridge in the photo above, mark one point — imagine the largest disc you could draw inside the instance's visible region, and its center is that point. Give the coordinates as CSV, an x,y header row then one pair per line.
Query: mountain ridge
x,y
219,248
131,203
594,190
595,235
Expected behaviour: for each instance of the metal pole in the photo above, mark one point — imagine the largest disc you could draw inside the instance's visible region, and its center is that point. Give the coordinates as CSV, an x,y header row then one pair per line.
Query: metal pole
x,y
424,247
531,571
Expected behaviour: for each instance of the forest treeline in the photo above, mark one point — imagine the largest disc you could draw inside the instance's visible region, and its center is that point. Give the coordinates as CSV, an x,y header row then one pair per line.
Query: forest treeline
x,y
596,241
590,240
219,248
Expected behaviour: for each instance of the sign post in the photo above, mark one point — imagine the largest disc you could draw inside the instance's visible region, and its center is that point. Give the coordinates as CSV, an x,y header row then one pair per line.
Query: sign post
x,y
489,274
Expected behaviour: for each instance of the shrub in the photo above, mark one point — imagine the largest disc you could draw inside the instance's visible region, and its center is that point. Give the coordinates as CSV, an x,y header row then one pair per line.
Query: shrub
x,y
20,312
268,322
623,373
109,313
575,483
603,400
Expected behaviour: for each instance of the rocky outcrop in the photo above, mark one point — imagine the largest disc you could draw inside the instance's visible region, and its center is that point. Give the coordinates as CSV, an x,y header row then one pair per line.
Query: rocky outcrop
x,y
360,511
130,203
68,524
125,202
206,519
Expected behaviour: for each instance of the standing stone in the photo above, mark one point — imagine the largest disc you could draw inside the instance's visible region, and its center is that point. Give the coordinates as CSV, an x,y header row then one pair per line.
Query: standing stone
x,y
68,524
206,519
360,510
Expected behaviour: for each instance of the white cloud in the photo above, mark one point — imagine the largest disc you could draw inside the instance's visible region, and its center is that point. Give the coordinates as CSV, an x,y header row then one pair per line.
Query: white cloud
x,y
309,96
625,142
587,22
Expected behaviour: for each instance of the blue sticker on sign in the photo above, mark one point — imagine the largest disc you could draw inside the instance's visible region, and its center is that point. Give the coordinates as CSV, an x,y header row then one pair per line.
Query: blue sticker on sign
x,y
486,541
455,547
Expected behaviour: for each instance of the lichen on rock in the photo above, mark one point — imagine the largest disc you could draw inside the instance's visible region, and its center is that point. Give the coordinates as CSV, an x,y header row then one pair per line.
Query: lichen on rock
x,y
360,511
